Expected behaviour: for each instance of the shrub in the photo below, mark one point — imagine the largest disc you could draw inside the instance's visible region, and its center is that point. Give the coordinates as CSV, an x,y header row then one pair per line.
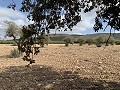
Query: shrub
x,y
99,41
112,42
117,42
14,53
89,41
98,44
81,41
67,41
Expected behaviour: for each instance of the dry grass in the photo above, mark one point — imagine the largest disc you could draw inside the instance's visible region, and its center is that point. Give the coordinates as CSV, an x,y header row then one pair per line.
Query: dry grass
x,y
63,68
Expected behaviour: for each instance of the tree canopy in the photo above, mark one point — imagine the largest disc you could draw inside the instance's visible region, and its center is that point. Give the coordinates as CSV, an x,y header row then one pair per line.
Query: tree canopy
x,y
64,14
56,14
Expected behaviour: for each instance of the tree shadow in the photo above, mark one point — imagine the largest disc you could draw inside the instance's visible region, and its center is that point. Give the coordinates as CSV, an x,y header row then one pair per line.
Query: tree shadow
x,y
39,77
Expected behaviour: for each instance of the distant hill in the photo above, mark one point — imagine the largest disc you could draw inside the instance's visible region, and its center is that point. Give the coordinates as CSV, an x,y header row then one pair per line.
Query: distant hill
x,y
60,37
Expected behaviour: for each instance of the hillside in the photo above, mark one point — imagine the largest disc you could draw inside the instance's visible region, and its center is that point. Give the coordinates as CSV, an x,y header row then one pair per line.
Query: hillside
x,y
60,37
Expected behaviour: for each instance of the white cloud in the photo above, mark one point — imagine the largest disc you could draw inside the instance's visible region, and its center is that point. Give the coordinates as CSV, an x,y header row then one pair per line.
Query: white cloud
x,y
12,15
6,12
86,23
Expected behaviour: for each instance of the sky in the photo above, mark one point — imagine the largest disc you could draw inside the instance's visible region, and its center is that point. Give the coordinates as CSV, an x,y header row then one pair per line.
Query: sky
x,y
84,27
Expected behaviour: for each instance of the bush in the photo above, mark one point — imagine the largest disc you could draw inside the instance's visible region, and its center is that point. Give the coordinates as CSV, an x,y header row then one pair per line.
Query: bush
x,y
67,41
89,41
99,41
14,44
110,41
14,53
98,44
66,44
81,41
6,42
56,42
117,42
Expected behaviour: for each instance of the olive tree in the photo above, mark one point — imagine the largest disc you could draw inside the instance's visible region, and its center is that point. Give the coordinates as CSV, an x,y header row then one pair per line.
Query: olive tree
x,y
13,31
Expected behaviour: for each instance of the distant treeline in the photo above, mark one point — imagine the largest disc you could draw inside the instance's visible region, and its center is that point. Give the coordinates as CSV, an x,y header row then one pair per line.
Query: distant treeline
x,y
60,38
7,42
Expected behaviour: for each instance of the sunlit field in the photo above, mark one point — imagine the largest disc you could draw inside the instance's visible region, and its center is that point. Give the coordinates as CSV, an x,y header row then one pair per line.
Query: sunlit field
x,y
62,68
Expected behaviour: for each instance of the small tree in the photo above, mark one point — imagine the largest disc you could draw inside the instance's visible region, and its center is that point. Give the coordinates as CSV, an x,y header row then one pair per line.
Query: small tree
x,y
99,41
89,41
112,42
67,41
81,41
15,32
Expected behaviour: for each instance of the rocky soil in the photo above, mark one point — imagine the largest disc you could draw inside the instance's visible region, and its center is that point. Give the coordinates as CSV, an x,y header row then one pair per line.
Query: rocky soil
x,y
62,68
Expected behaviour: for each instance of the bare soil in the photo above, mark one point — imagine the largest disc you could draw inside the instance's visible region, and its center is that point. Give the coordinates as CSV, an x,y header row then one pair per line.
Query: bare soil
x,y
62,68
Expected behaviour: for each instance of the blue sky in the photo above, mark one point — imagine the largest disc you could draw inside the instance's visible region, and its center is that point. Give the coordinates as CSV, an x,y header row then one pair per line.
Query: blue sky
x,y
82,28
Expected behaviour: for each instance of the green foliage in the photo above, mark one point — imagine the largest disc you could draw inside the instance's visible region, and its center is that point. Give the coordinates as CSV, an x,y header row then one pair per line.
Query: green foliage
x,y
66,44
99,41
81,41
67,41
117,42
47,39
6,42
12,29
89,41
38,10
14,44
110,41
14,53
42,39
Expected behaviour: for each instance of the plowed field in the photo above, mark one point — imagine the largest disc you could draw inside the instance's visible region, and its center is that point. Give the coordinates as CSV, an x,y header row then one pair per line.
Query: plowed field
x,y
62,68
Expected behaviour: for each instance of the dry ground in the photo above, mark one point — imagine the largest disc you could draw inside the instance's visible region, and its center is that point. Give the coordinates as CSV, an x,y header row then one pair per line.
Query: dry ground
x,y
62,68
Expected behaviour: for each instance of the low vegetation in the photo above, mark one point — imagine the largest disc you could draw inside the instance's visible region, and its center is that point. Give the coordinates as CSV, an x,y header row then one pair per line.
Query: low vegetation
x,y
67,41
99,41
117,42
89,41
81,42
14,53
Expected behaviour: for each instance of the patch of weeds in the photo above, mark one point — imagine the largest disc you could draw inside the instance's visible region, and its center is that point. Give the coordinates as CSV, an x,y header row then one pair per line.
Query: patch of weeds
x,y
14,53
